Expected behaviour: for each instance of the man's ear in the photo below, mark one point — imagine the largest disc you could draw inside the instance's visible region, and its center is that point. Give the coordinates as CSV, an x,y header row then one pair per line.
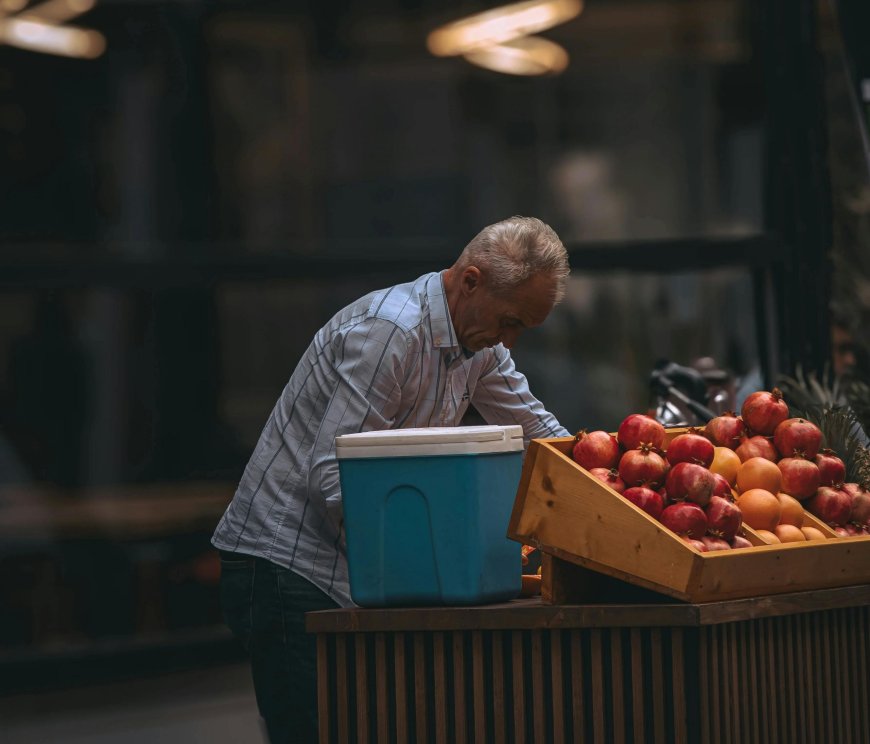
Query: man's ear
x,y
471,279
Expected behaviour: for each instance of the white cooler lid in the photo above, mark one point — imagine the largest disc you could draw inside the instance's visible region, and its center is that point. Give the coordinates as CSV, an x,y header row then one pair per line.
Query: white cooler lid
x,y
436,440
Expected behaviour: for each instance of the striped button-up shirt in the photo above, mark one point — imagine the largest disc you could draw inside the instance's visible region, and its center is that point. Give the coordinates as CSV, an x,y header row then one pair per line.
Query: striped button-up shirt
x,y
390,360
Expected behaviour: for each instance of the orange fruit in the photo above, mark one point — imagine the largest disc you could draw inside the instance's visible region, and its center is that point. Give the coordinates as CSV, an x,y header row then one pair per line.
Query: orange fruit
x,y
757,472
789,533
792,511
725,462
761,509
811,533
768,537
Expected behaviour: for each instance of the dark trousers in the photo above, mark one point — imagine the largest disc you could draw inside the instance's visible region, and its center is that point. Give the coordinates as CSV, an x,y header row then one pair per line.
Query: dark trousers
x,y
264,606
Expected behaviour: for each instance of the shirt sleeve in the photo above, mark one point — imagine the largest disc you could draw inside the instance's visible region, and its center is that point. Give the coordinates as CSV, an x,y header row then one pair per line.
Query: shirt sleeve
x,y
365,369
502,397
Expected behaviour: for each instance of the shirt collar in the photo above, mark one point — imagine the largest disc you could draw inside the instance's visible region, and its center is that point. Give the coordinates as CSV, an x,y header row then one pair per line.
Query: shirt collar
x,y
443,335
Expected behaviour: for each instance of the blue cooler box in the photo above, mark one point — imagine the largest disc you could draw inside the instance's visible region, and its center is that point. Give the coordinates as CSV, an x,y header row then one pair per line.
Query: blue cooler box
x,y
426,512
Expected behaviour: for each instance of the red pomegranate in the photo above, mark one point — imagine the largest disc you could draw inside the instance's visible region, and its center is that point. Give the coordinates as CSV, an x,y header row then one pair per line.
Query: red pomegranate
x,y
690,447
723,518
696,544
721,487
832,469
832,505
642,467
715,543
797,435
757,446
638,429
609,477
763,411
860,497
595,449
685,519
800,477
738,541
841,531
647,499
853,489
687,481
725,430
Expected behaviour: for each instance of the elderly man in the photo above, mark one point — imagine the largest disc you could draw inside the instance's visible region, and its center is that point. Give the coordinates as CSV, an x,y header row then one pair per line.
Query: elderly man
x,y
412,355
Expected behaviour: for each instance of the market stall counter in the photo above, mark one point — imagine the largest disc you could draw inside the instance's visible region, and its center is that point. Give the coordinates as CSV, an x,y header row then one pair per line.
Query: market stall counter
x,y
786,667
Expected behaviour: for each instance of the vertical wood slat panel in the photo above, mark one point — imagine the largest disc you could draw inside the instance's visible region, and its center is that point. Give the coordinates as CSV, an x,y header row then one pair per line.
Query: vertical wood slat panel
x,y
400,686
808,659
836,689
499,707
799,677
382,711
459,718
741,681
752,684
679,700
819,665
827,685
773,700
478,686
617,689
658,684
725,669
519,692
421,715
597,682
860,629
539,714
705,665
738,680
440,663
577,707
783,707
558,693
342,724
323,730
795,671
844,662
362,700
637,667
851,658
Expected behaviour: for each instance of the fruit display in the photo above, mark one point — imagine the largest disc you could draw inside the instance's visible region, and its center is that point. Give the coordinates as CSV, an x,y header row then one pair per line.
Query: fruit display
x,y
762,474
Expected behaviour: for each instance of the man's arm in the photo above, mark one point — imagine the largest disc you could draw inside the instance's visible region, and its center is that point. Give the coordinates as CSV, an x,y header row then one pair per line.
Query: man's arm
x,y
502,396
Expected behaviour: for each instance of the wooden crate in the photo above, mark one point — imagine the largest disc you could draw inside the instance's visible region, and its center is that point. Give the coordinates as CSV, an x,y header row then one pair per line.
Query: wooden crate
x,y
568,513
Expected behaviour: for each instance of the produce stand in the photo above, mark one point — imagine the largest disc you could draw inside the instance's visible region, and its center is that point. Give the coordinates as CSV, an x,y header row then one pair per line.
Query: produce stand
x,y
637,637
790,667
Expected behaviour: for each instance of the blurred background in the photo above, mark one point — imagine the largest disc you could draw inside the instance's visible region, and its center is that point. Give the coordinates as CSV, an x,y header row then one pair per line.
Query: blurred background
x,y
189,190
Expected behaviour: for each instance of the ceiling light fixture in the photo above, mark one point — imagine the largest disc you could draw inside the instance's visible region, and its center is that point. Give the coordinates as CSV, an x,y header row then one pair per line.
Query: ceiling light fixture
x,y
490,39
529,55
37,28
46,37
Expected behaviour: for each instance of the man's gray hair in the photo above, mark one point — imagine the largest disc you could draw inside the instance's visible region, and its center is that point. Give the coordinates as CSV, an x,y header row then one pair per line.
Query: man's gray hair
x,y
511,251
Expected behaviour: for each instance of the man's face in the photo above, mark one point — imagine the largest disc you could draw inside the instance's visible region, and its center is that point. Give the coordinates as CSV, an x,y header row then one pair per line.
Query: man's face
x,y
484,320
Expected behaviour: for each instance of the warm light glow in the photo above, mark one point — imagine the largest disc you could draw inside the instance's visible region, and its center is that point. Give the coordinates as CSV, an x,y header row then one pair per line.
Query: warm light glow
x,y
58,11
45,37
500,25
530,55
